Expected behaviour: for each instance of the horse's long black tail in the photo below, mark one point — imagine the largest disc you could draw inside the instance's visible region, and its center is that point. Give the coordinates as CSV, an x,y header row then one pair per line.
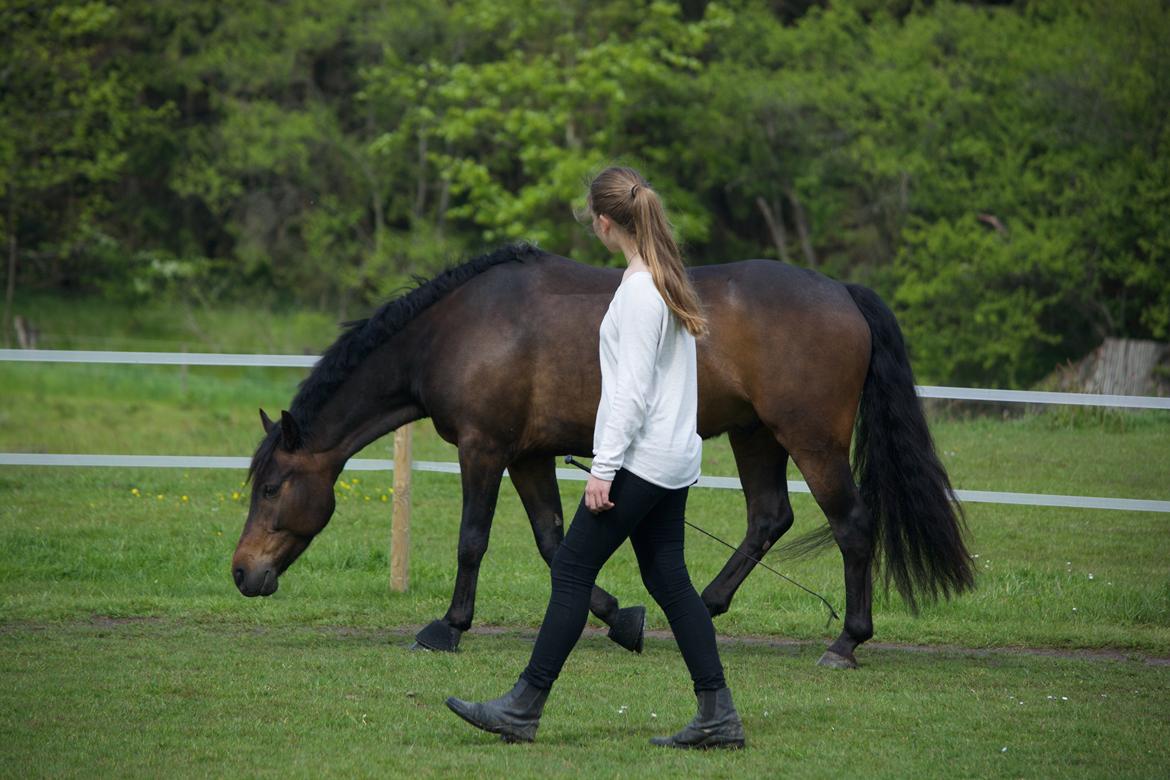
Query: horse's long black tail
x,y
919,531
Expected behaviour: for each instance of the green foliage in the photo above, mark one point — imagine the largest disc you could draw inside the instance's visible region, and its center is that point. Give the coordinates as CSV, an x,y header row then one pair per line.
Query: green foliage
x,y
1041,238
998,171
71,121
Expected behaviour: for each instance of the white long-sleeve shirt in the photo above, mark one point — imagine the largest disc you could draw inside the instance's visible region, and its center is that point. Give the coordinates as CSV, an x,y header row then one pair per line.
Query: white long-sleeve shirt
x,y
647,418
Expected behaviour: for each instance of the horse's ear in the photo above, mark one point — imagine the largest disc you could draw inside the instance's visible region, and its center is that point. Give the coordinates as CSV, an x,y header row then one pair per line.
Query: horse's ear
x,y
267,423
290,432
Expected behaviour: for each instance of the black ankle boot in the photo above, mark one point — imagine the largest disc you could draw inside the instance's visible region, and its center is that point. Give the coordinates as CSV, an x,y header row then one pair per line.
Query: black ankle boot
x,y
717,725
514,716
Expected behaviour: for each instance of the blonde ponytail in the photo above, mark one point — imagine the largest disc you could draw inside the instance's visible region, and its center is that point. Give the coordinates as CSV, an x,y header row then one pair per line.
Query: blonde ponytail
x,y
626,198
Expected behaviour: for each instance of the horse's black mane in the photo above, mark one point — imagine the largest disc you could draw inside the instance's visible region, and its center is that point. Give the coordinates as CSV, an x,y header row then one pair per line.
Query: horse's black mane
x,y
362,337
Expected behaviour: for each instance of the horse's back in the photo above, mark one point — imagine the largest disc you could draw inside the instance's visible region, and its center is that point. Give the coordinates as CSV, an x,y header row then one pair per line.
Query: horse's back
x,y
786,344
789,341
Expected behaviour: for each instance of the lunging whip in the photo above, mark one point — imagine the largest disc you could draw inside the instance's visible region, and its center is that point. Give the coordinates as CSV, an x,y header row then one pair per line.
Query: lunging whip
x,y
832,612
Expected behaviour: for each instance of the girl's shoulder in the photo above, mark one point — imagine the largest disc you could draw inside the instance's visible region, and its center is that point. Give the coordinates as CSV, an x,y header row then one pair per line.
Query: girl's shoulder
x,y
640,284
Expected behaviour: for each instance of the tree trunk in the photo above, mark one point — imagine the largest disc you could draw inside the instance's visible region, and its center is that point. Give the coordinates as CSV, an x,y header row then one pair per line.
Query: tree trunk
x,y
1118,367
798,216
10,289
1124,367
775,227
420,201
27,334
379,216
444,203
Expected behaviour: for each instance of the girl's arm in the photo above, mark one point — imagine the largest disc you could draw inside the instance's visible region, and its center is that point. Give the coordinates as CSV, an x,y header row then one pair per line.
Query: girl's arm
x,y
640,321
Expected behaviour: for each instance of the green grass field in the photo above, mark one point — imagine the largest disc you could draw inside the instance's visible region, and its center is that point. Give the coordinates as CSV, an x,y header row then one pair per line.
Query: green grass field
x,y
127,650
164,698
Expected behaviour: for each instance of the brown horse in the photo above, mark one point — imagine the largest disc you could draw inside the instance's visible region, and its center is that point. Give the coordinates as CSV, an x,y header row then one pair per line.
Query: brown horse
x,y
501,353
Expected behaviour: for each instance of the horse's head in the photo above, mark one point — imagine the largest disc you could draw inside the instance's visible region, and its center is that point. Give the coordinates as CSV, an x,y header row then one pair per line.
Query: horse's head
x,y
292,500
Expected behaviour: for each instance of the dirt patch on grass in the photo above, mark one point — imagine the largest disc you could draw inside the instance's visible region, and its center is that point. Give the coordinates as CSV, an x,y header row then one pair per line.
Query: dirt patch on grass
x,y
797,646
110,621
792,647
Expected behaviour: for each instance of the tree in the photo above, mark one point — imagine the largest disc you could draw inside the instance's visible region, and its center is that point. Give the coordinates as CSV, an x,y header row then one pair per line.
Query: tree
x,y
998,170
70,112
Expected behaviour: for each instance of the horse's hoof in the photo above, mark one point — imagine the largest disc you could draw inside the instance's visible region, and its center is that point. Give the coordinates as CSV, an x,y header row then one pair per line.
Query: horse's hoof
x,y
629,628
438,636
836,661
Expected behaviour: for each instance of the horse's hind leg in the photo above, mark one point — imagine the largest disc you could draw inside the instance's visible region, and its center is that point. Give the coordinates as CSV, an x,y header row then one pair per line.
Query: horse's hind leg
x,y
762,464
831,482
481,469
535,479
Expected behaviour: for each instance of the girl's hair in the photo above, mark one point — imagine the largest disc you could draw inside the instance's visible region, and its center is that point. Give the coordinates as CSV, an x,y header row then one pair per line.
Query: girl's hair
x,y
623,195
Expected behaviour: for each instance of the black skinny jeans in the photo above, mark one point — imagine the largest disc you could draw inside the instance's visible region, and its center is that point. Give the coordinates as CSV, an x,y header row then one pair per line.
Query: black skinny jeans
x,y
652,518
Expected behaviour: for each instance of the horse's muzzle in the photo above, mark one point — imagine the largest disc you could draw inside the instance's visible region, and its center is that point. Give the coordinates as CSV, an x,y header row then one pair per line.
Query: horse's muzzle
x,y
258,582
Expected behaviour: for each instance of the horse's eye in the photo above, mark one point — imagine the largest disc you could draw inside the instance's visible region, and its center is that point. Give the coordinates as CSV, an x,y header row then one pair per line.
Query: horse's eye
x,y
270,491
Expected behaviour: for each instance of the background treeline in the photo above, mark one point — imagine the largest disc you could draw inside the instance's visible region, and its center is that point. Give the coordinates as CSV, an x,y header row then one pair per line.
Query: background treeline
x,y
999,171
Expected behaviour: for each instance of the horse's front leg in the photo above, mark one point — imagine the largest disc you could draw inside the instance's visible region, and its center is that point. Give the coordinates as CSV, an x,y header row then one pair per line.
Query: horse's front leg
x,y
481,470
535,479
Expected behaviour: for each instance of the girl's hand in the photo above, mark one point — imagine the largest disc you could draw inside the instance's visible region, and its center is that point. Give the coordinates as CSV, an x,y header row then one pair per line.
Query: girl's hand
x,y
597,495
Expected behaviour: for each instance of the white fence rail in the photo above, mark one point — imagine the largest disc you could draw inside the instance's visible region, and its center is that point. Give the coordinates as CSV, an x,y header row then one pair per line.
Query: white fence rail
x,y
308,361
362,464
719,483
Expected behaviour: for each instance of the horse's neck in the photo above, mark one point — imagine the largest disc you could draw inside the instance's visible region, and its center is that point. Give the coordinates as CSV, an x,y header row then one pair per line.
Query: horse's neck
x,y
341,440
363,409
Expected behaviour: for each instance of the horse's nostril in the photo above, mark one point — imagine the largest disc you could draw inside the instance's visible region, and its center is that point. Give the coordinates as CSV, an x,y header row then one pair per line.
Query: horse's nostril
x,y
238,573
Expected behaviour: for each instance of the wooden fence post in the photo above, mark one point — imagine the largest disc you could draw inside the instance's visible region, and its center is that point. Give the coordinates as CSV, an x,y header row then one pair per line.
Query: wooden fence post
x,y
400,524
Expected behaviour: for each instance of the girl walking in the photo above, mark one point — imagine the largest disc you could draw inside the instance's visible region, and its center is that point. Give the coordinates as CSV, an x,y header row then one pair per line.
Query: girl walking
x,y
646,454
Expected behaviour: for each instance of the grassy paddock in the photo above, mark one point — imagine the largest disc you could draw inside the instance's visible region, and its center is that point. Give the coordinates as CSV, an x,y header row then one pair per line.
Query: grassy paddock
x,y
78,542
127,649
163,698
